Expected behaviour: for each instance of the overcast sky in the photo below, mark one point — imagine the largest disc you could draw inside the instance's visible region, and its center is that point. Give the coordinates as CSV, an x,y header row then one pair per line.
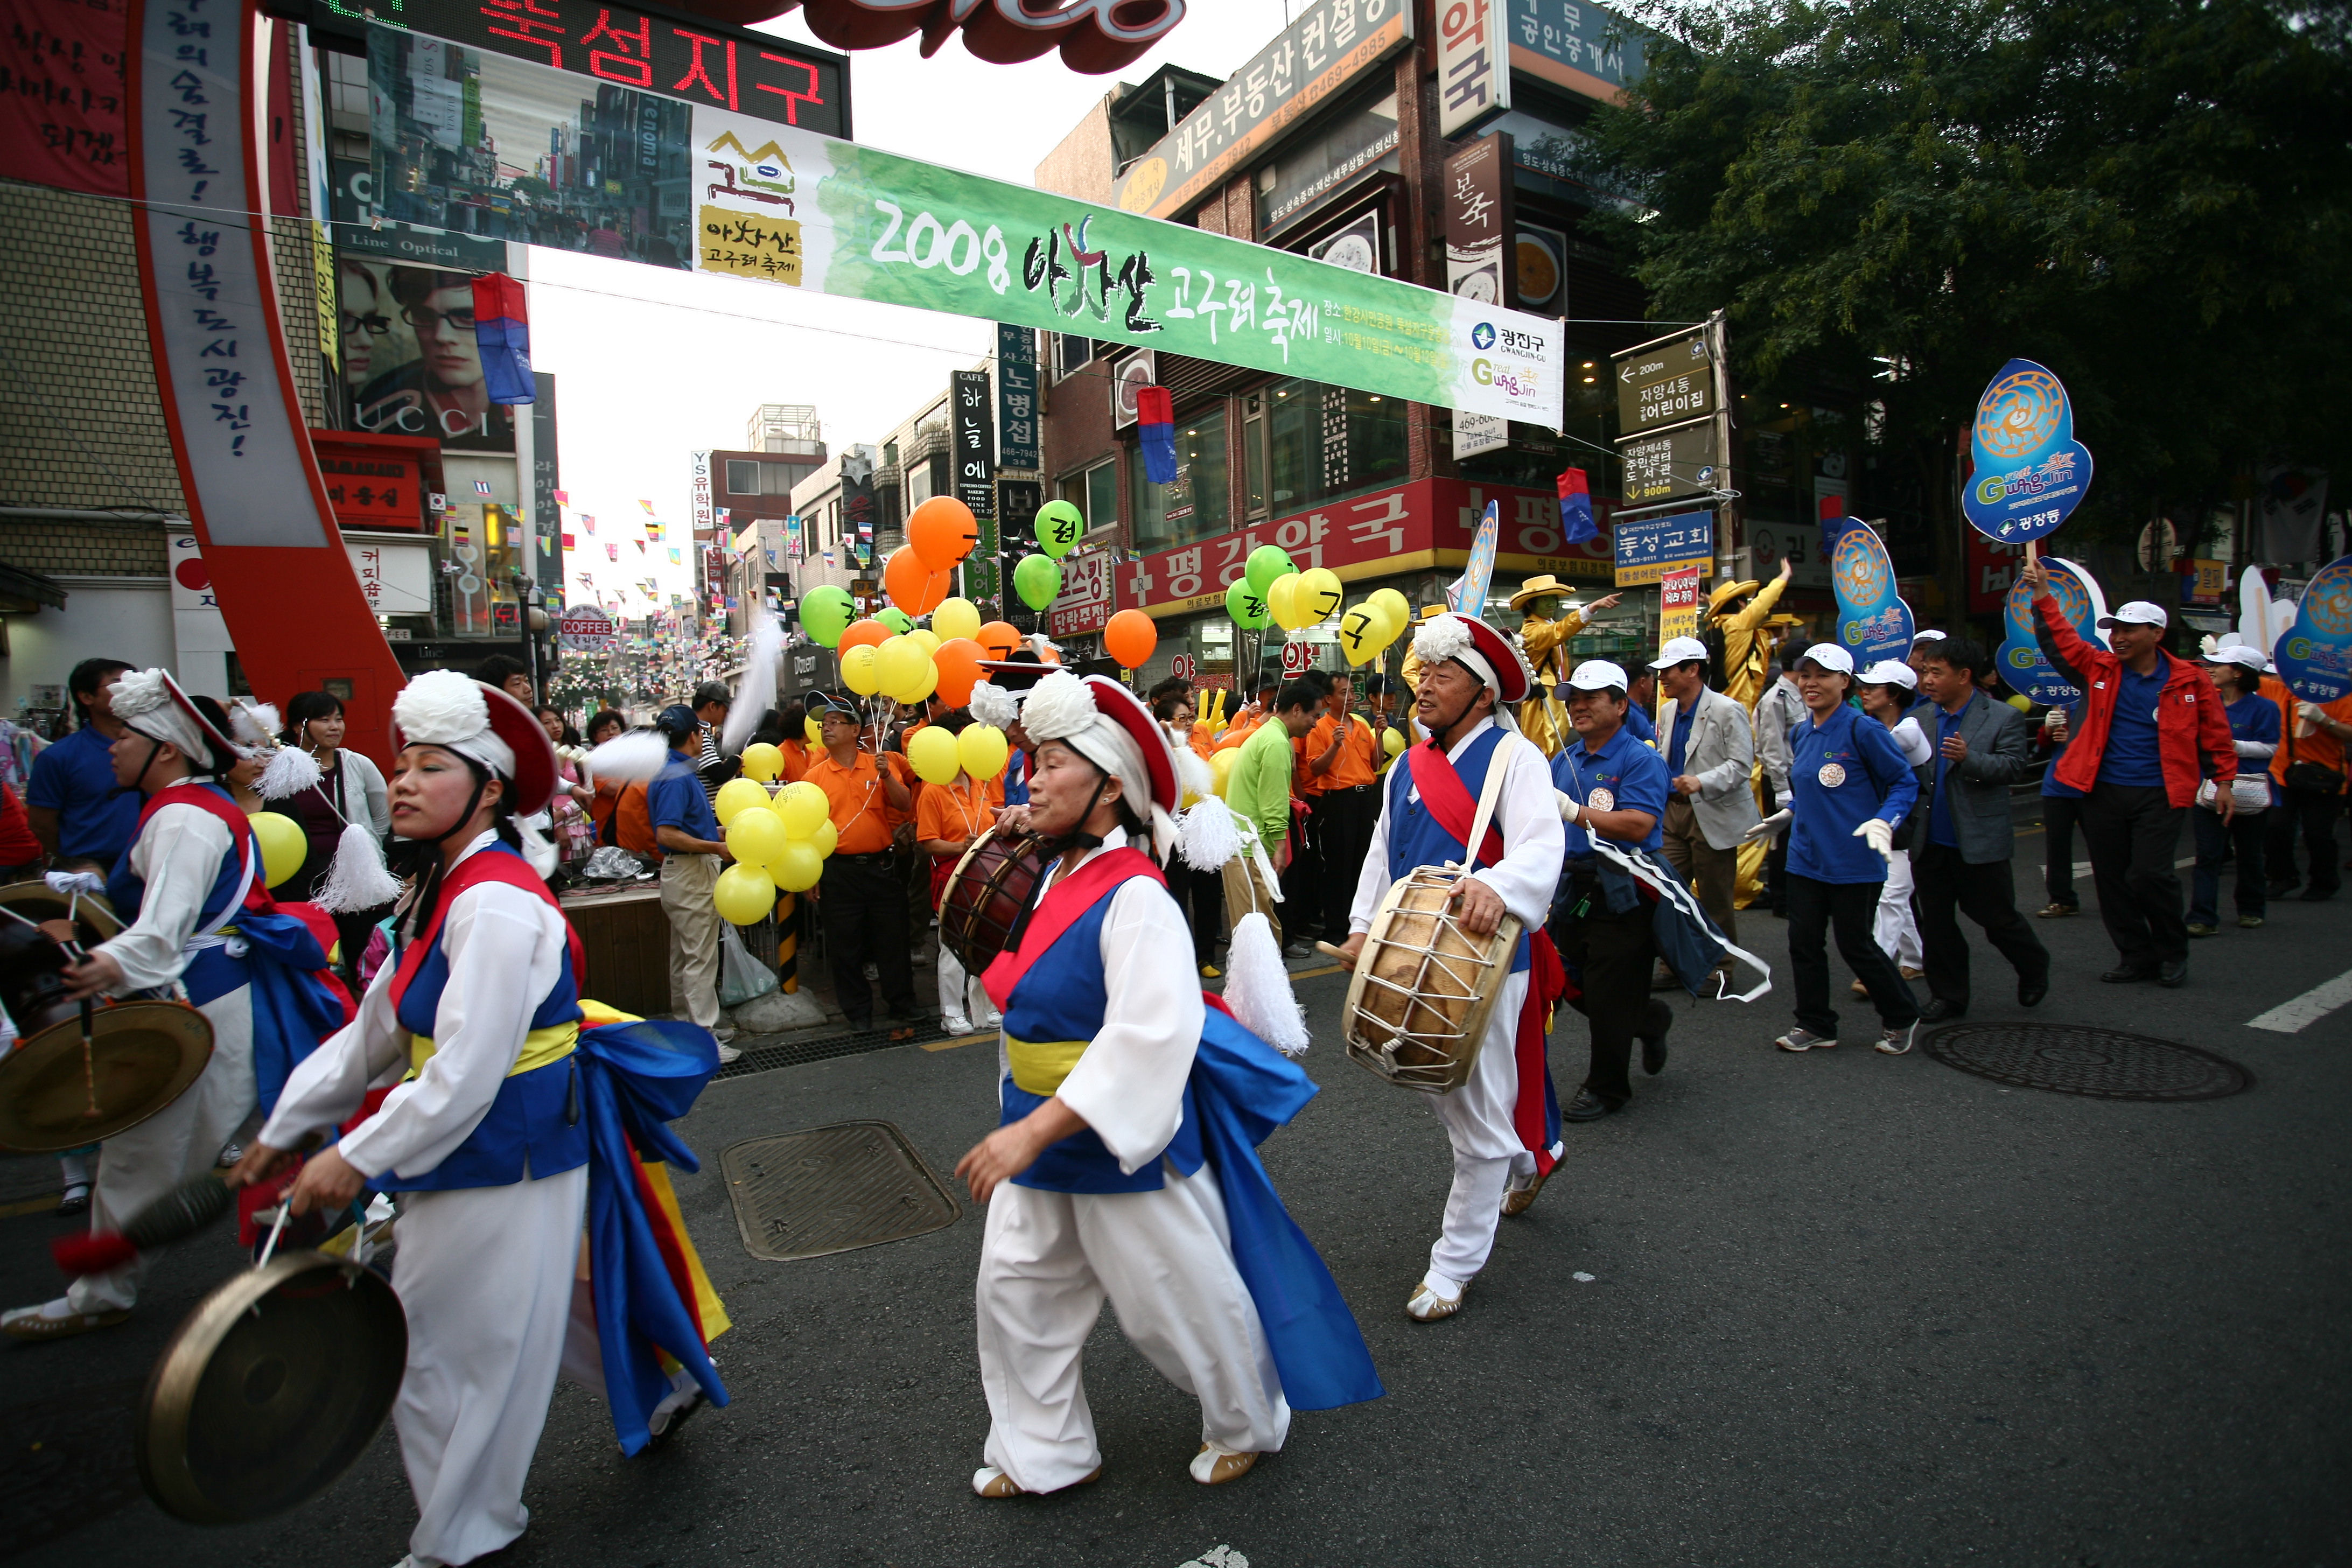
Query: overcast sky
x,y
652,365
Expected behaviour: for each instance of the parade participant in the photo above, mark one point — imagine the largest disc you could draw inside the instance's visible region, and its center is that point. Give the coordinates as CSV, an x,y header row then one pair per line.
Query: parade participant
x,y
1343,757
1921,641
2308,771
2061,811
191,885
2254,732
1124,1164
1544,629
1744,628
74,806
1852,787
1258,790
1885,690
1618,788
861,902
2150,725
686,833
949,820
1642,701
1503,1121
1961,860
504,1131
1710,753
1777,711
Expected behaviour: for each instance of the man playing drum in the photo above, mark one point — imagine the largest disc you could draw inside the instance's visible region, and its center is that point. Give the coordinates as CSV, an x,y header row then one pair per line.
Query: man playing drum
x,y
1505,1120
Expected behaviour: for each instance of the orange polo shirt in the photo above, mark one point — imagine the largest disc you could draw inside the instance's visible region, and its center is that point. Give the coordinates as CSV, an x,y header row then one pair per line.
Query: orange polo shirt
x,y
2319,746
860,814
1244,726
1358,759
962,810
796,761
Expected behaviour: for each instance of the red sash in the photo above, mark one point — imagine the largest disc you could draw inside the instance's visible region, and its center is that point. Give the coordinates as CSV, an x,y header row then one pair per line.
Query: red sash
x,y
1449,800
240,830
1064,902
483,866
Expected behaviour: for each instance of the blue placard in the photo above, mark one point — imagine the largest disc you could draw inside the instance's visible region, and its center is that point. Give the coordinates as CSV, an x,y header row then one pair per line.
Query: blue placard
x,y
2314,657
2031,473
2022,664
1873,623
1648,546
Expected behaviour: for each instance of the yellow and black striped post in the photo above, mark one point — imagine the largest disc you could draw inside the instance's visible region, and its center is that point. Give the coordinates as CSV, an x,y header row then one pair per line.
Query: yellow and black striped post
x,y
788,938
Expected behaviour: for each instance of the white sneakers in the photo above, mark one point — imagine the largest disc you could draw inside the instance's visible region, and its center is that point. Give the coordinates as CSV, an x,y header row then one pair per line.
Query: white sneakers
x,y
1804,1040
1895,1042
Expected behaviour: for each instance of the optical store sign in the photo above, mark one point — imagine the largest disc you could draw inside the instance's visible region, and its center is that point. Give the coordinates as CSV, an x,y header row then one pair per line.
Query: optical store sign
x,y
787,206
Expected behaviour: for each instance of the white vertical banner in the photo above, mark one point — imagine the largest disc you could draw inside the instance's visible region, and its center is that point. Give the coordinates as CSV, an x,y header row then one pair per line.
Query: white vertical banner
x,y
1474,65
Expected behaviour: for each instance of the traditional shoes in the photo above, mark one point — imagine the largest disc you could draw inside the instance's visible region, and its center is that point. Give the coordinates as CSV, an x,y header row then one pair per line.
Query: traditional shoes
x,y
43,1322
989,1481
1425,1305
1215,1465
1519,1200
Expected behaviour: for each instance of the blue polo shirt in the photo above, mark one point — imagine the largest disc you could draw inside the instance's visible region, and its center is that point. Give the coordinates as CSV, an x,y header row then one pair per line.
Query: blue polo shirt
x,y
1681,745
1939,814
2131,755
75,778
1844,770
676,799
1624,774
1639,722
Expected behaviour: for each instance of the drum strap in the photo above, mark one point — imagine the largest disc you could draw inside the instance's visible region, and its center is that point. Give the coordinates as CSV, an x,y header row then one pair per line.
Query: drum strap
x,y
1449,803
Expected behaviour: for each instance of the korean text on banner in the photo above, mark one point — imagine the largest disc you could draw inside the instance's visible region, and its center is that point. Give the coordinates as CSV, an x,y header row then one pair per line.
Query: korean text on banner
x,y
1678,603
1647,547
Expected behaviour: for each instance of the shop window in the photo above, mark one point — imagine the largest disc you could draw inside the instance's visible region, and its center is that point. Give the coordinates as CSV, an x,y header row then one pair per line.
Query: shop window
x,y
1071,355
1320,442
1095,493
742,478
1197,504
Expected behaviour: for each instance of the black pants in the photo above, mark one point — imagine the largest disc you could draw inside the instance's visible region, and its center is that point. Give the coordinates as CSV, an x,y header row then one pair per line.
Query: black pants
x,y
2133,832
2246,832
1610,955
2315,814
1302,879
1853,908
1202,896
864,909
2060,813
1944,888
1347,817
1776,875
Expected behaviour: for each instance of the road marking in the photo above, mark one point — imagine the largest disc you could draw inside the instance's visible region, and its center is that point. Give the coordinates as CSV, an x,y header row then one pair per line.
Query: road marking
x,y
958,1040
30,1205
2294,1016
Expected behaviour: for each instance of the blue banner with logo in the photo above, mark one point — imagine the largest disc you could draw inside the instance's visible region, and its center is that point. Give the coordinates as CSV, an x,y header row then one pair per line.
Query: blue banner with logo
x,y
1873,623
2314,657
1648,547
2022,664
2031,473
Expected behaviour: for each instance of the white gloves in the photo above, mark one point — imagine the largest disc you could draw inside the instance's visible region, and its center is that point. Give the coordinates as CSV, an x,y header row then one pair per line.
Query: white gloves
x,y
1569,810
1785,798
1879,835
2253,748
1770,827
2311,713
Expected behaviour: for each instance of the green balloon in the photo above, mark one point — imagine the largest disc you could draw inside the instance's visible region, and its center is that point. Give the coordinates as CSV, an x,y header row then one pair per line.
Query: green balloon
x,y
1247,609
897,619
1267,562
826,613
1038,580
1059,524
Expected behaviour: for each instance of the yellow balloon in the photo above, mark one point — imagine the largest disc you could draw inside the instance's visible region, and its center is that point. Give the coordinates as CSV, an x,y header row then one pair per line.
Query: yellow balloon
x,y
1279,595
927,680
933,753
744,895
1359,634
812,730
762,761
1221,767
284,845
984,750
956,618
737,794
1317,594
1395,607
800,807
928,638
756,836
798,865
897,665
822,840
859,672
1392,741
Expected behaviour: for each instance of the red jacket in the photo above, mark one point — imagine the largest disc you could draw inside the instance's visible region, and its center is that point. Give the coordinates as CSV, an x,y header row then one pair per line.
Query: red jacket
x,y
2189,716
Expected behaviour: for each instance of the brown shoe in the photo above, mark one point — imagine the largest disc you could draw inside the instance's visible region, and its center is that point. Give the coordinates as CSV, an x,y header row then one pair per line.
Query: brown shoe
x,y
1426,1306
1221,1465
29,1323
1519,1200
990,1482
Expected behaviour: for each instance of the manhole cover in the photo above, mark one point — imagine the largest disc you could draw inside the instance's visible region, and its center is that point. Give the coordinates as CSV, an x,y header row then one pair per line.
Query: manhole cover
x,y
830,1189
2069,1059
68,1461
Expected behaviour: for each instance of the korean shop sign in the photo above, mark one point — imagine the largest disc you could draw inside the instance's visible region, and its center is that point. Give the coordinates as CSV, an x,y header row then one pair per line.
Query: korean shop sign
x,y
1649,546
1665,383
1576,44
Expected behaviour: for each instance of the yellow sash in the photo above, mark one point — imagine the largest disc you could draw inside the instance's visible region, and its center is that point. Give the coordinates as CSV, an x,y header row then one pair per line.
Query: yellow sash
x,y
1040,1067
539,1048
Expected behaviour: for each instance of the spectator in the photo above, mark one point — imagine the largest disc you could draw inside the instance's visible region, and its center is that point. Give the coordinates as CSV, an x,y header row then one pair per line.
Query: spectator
x,y
77,811
20,852
711,700
569,826
1710,755
2061,811
2148,722
2254,731
2308,770
1343,758
350,789
1962,849
510,675
1258,791
686,834
862,904
792,724
949,820
602,727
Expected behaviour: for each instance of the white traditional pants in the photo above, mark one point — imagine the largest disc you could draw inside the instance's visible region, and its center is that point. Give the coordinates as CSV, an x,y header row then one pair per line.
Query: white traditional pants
x,y
1897,929
1165,1261
141,1164
485,1275
1488,1152
962,995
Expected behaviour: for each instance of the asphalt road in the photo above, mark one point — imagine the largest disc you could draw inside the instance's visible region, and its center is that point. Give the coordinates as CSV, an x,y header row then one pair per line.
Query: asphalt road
x,y
1822,1308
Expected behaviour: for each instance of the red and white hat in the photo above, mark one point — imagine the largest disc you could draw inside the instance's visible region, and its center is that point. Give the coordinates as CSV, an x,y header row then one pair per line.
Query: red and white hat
x,y
1107,724
151,702
1478,648
457,714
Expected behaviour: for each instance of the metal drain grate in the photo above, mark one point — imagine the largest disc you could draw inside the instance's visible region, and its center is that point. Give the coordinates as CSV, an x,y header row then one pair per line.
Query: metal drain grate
x,y
2069,1059
832,1189
792,1050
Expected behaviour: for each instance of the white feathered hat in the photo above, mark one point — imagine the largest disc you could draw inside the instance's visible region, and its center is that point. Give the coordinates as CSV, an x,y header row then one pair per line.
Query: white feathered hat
x,y
1107,724
442,707
151,702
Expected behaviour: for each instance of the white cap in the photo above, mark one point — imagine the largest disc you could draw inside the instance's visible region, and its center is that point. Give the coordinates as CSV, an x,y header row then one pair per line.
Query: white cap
x,y
1892,672
1679,650
1600,674
1829,655
2244,654
2138,613
1929,636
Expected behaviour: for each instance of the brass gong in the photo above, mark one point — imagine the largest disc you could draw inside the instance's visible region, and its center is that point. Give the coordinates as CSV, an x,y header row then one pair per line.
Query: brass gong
x,y
143,1055
36,901
272,1388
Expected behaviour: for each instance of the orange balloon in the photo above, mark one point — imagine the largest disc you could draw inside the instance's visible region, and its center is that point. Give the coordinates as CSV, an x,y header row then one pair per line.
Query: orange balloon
x,y
942,532
863,634
913,586
1000,638
959,666
1130,637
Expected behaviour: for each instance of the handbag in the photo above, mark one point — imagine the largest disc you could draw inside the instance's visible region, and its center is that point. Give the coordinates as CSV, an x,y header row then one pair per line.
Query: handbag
x,y
2312,778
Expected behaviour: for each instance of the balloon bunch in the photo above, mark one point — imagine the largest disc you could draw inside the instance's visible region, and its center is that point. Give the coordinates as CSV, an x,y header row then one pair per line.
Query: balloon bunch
x,y
1273,588
1037,579
982,751
779,844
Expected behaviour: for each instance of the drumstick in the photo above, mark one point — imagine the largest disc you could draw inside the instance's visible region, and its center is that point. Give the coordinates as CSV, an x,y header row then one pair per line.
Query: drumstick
x,y
1341,953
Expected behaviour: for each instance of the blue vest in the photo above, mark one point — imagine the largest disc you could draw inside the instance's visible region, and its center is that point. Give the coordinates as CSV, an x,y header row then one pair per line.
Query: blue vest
x,y
1414,837
211,972
533,1127
1062,997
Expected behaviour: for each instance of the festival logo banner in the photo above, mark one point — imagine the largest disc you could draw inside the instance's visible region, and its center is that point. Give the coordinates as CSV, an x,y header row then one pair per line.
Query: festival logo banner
x,y
2031,473
1873,623
2314,659
2022,663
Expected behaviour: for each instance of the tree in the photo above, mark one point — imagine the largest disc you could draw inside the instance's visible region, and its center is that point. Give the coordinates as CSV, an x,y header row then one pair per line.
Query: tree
x,y
2153,197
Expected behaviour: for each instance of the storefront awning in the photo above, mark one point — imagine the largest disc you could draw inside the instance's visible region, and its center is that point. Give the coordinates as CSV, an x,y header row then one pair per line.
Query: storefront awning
x,y
22,593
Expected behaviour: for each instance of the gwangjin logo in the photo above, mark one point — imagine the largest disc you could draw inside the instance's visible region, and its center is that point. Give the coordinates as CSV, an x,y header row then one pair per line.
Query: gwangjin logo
x,y
1482,336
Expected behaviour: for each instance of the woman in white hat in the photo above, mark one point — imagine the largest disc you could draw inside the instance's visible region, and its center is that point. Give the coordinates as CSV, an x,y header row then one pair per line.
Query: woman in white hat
x,y
2255,729
1886,691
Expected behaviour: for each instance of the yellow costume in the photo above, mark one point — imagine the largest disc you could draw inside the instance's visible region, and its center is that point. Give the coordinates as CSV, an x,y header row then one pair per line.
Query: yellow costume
x,y
1746,654
1541,718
